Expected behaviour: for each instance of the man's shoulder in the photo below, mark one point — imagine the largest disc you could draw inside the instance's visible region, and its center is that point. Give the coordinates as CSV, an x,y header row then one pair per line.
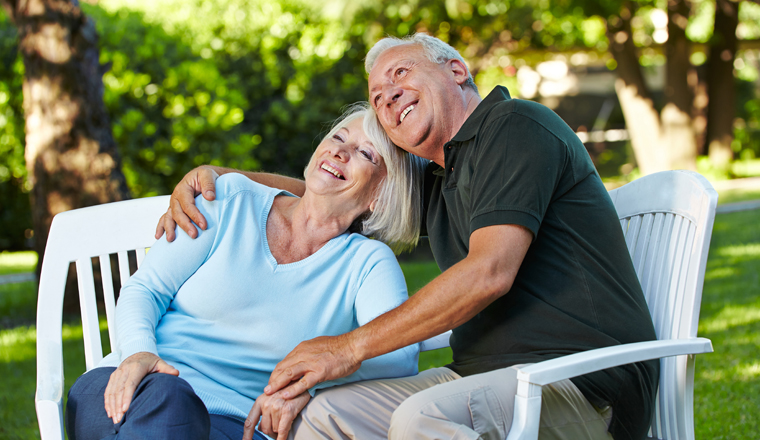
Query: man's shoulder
x,y
530,118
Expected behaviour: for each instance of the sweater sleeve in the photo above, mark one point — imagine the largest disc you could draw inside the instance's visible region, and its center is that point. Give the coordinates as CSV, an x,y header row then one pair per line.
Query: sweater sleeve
x,y
381,288
146,296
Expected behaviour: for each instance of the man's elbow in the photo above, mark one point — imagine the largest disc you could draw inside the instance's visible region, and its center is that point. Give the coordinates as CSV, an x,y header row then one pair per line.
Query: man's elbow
x,y
495,284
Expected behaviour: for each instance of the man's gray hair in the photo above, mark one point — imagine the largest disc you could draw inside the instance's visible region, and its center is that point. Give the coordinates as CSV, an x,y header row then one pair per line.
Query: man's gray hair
x,y
434,48
397,217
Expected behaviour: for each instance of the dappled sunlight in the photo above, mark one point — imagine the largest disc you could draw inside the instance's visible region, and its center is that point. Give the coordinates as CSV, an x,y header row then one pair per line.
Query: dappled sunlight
x,y
730,316
19,344
749,371
720,272
740,251
11,262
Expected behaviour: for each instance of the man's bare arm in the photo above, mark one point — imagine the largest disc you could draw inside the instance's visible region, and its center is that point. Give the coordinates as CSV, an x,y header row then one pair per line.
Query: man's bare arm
x,y
450,300
182,210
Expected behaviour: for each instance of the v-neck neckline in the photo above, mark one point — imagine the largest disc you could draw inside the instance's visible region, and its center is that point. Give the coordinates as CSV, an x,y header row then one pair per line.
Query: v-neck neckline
x,y
276,266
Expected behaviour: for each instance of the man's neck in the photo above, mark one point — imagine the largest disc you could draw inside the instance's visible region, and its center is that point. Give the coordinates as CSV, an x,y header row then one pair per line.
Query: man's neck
x,y
471,101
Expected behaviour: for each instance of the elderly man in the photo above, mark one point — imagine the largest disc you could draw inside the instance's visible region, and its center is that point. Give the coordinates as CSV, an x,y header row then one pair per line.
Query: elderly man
x,y
534,267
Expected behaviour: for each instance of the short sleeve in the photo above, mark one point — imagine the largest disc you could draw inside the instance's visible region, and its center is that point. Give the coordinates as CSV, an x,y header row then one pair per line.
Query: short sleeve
x,y
515,172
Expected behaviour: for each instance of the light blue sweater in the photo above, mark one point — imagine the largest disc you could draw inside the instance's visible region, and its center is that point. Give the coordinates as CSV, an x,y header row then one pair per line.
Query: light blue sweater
x,y
223,312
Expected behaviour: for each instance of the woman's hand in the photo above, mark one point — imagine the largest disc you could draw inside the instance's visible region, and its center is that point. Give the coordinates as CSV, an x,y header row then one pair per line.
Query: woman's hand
x,y
124,381
182,210
276,414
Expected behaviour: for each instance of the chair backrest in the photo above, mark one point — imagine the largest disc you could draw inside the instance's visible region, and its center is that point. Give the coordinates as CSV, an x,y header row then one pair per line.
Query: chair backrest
x,y
667,219
79,236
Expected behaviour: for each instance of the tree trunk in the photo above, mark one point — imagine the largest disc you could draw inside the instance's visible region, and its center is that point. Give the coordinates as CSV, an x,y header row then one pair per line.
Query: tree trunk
x,y
720,82
660,141
70,153
676,116
641,116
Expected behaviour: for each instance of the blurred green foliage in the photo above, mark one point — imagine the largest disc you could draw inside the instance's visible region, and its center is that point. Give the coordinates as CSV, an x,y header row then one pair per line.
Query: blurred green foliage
x,y
242,84
15,214
251,84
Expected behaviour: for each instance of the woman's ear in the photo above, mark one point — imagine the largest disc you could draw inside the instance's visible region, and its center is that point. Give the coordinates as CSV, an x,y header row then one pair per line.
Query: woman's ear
x,y
372,205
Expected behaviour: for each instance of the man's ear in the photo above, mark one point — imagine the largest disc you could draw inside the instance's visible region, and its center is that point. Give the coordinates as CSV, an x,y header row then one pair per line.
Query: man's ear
x,y
459,71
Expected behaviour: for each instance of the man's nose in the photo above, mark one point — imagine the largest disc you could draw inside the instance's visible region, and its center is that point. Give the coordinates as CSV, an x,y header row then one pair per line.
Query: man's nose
x,y
392,94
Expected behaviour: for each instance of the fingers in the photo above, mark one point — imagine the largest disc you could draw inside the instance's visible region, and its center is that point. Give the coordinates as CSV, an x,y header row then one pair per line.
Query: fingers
x,y
119,391
163,367
125,379
207,178
109,395
251,421
289,413
283,375
299,387
179,212
160,227
169,226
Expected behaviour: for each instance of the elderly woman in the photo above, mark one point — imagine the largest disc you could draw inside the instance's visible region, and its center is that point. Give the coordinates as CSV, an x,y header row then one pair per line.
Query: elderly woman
x,y
203,323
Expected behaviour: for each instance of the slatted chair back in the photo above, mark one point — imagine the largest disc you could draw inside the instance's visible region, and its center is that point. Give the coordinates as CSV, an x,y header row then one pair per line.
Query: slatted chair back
x,y
667,219
79,236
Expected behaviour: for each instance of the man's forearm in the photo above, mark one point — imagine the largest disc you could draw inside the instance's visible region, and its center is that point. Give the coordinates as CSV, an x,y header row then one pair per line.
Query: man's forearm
x,y
451,299
290,184
447,302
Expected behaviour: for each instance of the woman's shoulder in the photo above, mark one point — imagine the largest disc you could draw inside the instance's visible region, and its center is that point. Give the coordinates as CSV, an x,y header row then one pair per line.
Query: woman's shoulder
x,y
231,184
364,248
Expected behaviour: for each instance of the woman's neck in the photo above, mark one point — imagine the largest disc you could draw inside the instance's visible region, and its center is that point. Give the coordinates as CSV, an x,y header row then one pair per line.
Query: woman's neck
x,y
298,228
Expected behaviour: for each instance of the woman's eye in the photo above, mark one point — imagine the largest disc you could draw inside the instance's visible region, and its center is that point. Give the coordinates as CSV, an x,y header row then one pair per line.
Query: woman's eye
x,y
366,155
337,138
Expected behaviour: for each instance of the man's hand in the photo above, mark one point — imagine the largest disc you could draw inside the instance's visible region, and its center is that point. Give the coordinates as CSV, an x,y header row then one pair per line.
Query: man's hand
x,y
276,414
311,362
124,381
182,210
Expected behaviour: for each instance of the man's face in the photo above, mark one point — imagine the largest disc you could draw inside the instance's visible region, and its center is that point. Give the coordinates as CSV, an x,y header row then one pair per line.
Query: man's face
x,y
418,102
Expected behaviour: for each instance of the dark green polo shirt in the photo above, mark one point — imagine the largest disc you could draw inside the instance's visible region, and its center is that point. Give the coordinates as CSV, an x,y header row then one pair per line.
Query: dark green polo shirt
x,y
517,162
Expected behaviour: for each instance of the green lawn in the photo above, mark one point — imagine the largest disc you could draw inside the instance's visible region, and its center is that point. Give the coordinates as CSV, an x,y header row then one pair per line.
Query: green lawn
x,y
17,262
727,395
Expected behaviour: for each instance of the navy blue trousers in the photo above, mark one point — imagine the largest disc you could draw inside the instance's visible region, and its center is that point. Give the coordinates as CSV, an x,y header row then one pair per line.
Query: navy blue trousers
x,y
163,407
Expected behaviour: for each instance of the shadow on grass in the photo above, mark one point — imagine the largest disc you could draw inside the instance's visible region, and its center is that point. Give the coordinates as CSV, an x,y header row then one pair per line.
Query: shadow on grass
x,y
727,383
18,368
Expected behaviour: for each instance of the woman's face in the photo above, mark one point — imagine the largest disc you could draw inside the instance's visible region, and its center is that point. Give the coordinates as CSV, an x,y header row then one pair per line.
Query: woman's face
x,y
347,166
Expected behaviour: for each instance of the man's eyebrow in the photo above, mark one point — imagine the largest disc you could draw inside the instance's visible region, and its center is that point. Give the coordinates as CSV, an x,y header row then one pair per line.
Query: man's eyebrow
x,y
390,69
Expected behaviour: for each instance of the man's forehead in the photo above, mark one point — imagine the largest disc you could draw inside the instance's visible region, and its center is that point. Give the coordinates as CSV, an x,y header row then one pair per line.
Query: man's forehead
x,y
392,58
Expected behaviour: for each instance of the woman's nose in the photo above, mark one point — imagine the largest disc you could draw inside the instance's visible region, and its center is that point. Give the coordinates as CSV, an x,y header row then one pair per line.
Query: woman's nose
x,y
341,153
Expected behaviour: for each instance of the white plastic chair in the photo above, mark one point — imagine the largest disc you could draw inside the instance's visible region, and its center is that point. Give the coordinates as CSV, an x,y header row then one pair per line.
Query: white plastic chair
x,y
667,219
78,236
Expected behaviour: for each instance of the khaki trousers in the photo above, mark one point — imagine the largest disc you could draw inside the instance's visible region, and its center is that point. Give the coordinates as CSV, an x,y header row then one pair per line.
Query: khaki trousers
x,y
440,404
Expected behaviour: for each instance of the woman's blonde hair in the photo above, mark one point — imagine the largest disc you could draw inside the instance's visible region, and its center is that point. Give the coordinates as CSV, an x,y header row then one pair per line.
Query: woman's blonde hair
x,y
397,215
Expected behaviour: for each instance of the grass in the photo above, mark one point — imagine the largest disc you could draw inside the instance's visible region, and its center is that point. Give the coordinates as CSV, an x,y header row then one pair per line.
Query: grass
x,y
17,262
727,387
727,384
738,195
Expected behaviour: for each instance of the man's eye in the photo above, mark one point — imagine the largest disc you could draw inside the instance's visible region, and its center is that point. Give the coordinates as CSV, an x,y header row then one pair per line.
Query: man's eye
x,y
377,100
400,71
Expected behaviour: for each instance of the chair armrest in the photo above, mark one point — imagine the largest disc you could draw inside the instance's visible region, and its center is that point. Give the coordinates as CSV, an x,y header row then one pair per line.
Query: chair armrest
x,y
586,362
436,342
531,378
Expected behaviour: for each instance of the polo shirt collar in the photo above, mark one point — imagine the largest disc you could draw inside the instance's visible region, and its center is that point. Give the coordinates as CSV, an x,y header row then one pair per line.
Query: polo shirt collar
x,y
472,124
